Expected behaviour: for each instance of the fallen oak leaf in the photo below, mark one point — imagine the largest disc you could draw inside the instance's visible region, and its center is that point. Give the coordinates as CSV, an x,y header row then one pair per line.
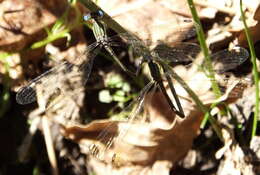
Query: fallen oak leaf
x,y
144,144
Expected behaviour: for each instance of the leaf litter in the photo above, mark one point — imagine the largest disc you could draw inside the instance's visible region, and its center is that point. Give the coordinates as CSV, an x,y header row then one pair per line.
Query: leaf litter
x,y
159,143
158,118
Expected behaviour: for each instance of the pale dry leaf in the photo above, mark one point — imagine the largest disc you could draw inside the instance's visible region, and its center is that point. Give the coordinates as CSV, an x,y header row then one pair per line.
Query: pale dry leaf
x,y
197,81
253,17
255,146
234,161
190,159
218,36
209,13
231,27
14,67
225,6
150,19
182,8
160,167
144,144
253,27
232,87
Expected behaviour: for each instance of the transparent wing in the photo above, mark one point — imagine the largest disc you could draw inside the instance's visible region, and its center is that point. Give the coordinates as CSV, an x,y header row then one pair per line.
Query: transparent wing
x,y
185,52
87,65
225,60
181,52
27,94
109,138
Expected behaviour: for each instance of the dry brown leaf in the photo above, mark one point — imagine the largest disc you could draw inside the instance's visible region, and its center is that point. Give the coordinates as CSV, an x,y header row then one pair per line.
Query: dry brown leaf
x,y
153,20
144,145
231,27
253,27
166,20
253,16
197,81
15,31
21,24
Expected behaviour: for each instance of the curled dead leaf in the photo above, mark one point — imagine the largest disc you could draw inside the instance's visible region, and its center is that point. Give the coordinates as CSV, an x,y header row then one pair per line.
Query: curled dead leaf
x,y
161,137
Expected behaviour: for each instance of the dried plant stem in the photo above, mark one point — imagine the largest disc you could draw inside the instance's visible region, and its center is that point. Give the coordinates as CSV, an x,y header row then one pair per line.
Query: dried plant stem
x,y
49,145
255,71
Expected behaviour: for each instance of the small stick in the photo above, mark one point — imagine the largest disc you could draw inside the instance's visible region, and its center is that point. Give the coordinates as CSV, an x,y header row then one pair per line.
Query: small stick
x,y
49,145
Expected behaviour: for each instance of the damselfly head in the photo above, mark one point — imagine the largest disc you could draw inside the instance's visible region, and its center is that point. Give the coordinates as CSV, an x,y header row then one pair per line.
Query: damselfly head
x,y
100,13
93,15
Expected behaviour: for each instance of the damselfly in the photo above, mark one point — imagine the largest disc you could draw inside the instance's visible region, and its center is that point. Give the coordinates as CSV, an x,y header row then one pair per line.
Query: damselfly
x,y
135,112
160,57
183,52
27,94
156,59
120,132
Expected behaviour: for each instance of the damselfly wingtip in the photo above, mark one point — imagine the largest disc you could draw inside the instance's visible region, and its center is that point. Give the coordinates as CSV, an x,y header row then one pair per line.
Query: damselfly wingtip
x,y
26,95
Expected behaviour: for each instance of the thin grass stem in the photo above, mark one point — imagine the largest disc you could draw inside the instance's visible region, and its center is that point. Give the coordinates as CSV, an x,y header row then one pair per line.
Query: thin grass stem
x,y
255,71
208,66
205,50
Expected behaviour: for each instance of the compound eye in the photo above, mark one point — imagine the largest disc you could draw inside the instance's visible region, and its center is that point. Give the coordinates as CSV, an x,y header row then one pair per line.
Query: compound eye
x,y
100,13
93,15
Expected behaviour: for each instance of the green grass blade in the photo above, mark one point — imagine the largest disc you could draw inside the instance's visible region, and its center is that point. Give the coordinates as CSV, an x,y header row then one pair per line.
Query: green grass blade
x,y
61,28
205,50
255,71
208,67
